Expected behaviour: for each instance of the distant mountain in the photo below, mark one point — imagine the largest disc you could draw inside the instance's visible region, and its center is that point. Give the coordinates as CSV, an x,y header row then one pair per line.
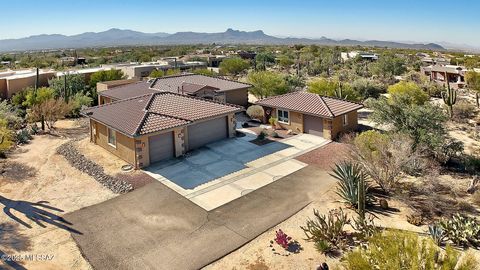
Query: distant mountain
x,y
118,37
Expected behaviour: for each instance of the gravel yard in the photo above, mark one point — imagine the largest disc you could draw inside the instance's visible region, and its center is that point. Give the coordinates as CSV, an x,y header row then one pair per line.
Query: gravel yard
x,y
325,157
38,187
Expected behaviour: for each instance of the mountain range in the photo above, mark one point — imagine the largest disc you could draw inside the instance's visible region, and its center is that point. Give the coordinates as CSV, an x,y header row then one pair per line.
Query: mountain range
x,y
119,37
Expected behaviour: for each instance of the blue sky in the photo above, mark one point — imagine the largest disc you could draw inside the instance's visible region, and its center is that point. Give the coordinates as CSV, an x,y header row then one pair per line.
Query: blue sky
x,y
407,20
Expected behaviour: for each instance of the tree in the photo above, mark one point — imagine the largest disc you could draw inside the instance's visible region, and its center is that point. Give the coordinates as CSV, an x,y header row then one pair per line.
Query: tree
x,y
368,88
33,97
104,76
233,66
388,66
473,82
383,156
333,88
267,83
78,102
424,124
264,59
407,91
50,110
75,84
285,61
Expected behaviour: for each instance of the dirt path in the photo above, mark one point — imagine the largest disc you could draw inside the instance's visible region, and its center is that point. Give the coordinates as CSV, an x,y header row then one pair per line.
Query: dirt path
x,y
61,189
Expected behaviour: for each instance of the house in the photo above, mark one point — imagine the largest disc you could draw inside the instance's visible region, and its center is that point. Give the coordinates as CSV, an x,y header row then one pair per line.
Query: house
x,y
363,55
102,86
14,81
304,112
218,89
455,75
157,126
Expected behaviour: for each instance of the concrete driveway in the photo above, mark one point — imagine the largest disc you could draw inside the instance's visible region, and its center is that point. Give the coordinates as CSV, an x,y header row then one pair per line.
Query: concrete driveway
x,y
156,228
223,171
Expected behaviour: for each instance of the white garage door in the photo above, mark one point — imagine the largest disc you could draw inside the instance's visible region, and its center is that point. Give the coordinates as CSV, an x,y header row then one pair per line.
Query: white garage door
x,y
207,132
161,147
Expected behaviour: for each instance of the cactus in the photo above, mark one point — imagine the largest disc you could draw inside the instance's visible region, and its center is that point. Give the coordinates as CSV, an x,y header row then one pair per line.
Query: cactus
x,y
339,92
361,198
477,99
449,98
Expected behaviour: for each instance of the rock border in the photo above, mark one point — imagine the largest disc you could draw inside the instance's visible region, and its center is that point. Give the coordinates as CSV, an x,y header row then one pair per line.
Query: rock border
x,y
85,165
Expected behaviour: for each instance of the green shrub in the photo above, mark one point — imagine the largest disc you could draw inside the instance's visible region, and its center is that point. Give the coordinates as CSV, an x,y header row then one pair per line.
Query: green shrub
x,y
462,230
23,136
323,247
404,250
349,175
262,135
78,102
328,228
407,91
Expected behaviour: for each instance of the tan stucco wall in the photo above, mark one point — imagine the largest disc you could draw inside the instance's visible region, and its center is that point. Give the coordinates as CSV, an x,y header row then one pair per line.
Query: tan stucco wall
x,y
232,126
103,100
125,148
238,97
16,85
102,86
338,127
296,121
3,88
331,127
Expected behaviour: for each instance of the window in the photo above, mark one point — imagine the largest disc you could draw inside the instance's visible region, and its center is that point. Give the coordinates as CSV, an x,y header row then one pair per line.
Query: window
x,y
345,119
112,137
283,116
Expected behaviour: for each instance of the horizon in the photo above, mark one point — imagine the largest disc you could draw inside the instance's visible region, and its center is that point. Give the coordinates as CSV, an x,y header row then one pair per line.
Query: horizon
x,y
407,21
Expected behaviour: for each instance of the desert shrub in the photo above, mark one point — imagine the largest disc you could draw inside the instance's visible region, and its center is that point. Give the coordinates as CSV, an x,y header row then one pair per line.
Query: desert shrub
x,y
255,112
78,102
476,198
471,164
383,156
328,228
262,135
50,110
463,111
323,247
273,121
349,175
9,115
23,136
461,230
364,227
404,250
424,124
407,91
6,137
368,88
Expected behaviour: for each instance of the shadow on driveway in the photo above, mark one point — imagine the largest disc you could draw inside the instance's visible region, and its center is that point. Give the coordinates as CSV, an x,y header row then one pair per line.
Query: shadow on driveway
x,y
156,228
213,161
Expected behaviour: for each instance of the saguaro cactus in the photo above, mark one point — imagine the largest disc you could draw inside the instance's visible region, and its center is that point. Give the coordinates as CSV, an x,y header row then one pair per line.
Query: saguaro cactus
x,y
339,92
449,98
361,197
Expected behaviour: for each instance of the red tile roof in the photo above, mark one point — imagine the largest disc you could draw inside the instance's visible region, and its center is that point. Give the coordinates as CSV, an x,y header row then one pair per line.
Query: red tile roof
x,y
128,91
310,103
173,83
155,112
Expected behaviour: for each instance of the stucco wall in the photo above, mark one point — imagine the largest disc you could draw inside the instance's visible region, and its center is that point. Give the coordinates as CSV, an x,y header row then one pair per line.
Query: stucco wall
x,y
296,121
3,88
103,100
16,85
238,97
125,148
338,127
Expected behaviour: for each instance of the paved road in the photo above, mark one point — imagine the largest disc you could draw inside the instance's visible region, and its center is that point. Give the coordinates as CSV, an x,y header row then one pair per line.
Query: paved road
x,y
156,228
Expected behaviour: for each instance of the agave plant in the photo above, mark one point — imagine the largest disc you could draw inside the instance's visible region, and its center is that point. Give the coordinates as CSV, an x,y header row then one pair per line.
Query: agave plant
x,y
350,176
436,233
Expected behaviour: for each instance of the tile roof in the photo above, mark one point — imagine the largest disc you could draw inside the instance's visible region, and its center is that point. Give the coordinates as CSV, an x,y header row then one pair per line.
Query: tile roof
x,y
128,91
310,103
172,83
192,88
155,112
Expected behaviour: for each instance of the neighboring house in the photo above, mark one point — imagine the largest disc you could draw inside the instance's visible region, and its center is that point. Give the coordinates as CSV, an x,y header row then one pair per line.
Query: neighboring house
x,y
455,75
14,81
157,126
102,86
217,89
364,55
304,112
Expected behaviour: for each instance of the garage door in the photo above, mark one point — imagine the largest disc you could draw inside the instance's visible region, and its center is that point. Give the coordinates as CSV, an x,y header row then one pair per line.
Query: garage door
x,y
161,147
313,125
207,132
